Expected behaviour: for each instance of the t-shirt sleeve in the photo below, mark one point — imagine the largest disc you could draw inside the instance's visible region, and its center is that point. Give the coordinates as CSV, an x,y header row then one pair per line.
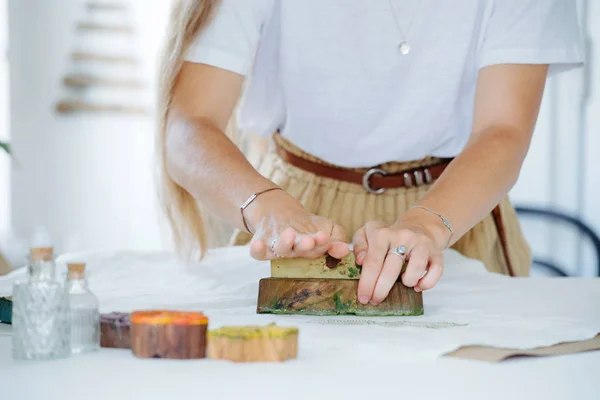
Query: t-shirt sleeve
x,y
230,40
533,32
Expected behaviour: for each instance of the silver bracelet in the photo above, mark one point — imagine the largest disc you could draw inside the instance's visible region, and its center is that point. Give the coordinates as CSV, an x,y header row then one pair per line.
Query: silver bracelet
x,y
445,221
250,200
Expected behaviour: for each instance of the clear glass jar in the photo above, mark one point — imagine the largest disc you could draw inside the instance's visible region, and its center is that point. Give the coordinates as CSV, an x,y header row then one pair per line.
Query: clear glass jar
x,y
83,310
40,319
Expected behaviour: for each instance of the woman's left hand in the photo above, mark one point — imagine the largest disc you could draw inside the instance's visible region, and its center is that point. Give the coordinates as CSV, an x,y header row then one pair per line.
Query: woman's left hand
x,y
380,268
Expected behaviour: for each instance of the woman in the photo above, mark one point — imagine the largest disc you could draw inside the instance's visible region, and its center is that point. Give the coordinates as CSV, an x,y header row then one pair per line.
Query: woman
x,y
401,124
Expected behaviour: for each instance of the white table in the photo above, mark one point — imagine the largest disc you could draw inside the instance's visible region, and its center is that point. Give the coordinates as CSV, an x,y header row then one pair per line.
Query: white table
x,y
366,365
565,377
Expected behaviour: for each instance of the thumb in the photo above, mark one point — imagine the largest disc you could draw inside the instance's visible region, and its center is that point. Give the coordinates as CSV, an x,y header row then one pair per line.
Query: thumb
x,y
360,245
258,249
338,234
338,249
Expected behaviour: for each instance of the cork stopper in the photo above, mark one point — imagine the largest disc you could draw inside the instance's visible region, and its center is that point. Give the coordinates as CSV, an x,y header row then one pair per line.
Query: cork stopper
x,y
41,253
76,270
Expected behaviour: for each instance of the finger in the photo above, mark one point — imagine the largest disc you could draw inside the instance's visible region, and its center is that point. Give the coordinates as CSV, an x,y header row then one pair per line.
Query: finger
x,y
387,278
360,239
434,273
334,243
338,234
373,263
338,247
360,245
303,245
311,247
284,243
258,249
339,250
322,239
418,258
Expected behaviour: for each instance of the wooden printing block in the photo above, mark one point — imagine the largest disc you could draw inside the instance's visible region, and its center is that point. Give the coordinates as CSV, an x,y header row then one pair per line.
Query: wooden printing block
x,y
327,286
253,343
168,334
115,330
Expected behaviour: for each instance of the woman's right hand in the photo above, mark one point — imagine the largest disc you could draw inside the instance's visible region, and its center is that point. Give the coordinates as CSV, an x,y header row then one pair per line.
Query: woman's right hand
x,y
283,228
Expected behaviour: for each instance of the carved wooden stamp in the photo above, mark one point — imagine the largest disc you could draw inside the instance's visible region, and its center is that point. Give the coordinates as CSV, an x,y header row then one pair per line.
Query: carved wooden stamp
x,y
168,334
115,330
327,286
253,343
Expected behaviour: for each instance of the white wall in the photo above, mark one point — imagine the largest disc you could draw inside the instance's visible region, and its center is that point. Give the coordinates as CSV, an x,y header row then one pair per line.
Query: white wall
x,y
86,178
551,174
4,120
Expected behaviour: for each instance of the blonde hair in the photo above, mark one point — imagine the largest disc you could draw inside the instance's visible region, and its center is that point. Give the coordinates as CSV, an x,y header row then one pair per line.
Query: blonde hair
x,y
184,215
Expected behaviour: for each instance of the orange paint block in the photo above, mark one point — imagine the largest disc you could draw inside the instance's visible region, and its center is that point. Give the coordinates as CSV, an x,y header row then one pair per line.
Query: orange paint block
x,y
168,334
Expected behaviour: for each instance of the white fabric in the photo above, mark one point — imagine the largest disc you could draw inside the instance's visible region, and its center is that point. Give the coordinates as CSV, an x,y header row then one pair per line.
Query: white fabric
x,y
480,308
389,355
329,74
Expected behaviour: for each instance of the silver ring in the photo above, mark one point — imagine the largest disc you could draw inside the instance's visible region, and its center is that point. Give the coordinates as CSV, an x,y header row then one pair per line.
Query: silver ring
x,y
273,248
399,251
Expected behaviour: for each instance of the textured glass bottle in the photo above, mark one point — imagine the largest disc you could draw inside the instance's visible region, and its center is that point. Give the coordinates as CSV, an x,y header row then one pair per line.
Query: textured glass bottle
x,y
41,328
84,313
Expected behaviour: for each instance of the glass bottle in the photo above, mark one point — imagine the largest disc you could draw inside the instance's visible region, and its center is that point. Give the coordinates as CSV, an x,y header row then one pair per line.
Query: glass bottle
x,y
41,327
84,312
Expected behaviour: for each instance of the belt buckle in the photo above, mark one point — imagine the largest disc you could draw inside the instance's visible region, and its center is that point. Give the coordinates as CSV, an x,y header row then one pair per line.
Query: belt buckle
x,y
366,180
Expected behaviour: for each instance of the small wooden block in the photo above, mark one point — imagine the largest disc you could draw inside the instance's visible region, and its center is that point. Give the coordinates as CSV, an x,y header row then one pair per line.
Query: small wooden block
x,y
320,268
168,334
332,297
115,330
253,343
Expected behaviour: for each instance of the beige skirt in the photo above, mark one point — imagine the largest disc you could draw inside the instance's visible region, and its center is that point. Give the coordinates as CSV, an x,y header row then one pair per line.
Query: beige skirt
x,y
497,240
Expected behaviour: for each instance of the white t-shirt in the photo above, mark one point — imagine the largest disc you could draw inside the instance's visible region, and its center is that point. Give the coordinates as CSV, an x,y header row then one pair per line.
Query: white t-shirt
x,y
330,76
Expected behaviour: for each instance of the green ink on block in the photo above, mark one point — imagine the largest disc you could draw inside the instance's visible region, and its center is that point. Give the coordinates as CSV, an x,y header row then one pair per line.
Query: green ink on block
x,y
353,272
340,306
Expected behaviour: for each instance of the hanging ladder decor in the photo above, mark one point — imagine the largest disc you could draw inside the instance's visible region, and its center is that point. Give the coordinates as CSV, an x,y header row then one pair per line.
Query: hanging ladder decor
x,y
86,81
102,58
105,6
83,83
91,26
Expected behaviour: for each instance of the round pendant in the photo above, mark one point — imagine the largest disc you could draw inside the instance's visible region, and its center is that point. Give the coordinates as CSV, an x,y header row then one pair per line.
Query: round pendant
x,y
404,48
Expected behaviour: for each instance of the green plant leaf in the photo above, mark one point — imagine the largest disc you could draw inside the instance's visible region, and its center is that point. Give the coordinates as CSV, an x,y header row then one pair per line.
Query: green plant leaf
x,y
5,147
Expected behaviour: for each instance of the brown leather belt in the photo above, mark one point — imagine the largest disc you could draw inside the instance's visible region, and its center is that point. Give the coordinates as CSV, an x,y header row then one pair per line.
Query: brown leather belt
x,y
374,180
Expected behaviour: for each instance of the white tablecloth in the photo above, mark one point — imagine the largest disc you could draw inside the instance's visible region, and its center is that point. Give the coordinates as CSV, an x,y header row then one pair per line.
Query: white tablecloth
x,y
341,357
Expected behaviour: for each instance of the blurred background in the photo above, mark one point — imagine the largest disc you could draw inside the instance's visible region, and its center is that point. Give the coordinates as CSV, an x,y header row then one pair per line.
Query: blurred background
x,y
77,91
